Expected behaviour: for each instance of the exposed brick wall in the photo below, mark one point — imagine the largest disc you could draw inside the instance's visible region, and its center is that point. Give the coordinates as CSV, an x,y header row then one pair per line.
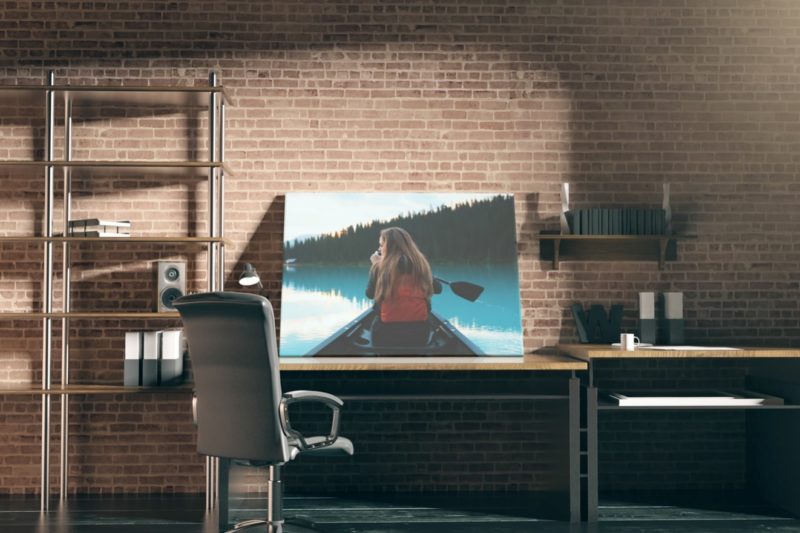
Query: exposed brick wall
x,y
517,96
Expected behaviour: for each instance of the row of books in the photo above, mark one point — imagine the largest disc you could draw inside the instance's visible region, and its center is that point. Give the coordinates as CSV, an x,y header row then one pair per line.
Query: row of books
x,y
617,221
153,358
95,227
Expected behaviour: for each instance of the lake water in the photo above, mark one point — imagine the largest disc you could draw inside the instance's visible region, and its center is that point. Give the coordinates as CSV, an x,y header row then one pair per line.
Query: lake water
x,y
318,300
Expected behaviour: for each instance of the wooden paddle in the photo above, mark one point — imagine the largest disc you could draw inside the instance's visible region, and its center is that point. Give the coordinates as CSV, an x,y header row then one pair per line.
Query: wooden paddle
x,y
465,289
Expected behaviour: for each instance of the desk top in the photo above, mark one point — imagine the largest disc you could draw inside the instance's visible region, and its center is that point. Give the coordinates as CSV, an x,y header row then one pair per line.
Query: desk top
x,y
587,352
528,362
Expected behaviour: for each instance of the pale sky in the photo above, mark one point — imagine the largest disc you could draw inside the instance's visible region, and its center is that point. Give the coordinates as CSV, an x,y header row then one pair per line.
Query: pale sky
x,y
309,214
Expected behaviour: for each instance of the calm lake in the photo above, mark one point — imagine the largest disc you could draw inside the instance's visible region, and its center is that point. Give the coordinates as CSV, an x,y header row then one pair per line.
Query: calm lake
x,y
318,300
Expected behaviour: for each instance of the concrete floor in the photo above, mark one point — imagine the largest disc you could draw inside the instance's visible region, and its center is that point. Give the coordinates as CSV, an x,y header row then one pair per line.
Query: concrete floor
x,y
184,514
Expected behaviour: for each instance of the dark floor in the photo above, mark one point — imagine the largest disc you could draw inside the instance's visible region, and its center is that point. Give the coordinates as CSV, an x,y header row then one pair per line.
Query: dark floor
x,y
184,514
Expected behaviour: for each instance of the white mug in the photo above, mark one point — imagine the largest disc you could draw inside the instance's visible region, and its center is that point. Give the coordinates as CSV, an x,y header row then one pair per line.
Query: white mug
x,y
628,341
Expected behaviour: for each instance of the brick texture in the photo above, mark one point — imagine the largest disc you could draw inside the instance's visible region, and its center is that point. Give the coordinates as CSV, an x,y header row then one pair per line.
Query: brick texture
x,y
470,95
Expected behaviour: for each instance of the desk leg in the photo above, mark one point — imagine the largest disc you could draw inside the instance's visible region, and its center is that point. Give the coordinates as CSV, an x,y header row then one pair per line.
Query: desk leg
x,y
574,450
591,455
222,492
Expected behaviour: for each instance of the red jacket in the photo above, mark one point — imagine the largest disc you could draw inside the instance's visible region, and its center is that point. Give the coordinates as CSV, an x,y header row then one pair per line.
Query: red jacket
x,y
407,303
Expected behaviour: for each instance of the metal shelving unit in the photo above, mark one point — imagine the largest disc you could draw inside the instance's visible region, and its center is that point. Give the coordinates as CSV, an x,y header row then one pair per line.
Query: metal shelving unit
x,y
211,98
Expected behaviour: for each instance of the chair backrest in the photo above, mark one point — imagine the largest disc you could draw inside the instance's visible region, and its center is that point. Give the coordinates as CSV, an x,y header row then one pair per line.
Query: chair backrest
x,y
231,338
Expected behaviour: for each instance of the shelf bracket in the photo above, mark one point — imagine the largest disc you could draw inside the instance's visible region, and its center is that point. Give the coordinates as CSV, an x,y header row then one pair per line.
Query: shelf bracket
x,y
564,210
556,251
663,242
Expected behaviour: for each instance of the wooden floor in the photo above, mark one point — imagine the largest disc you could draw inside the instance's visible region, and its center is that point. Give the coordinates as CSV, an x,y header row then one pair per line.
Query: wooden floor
x,y
184,514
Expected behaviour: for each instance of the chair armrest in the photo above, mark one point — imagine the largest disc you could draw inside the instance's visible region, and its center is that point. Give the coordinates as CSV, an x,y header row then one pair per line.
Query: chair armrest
x,y
298,396
305,395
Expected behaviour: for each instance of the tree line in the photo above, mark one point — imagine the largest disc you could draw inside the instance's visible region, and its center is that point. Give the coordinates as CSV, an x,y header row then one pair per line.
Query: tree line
x,y
475,231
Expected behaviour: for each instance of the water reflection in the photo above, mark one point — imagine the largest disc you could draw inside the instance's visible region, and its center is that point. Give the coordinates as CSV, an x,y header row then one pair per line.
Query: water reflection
x,y
317,301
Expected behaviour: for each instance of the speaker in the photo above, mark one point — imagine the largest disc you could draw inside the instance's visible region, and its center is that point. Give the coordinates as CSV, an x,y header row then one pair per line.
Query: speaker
x,y
170,283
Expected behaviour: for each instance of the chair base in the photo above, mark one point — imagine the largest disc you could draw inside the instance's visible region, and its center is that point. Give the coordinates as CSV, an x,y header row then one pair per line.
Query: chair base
x,y
292,525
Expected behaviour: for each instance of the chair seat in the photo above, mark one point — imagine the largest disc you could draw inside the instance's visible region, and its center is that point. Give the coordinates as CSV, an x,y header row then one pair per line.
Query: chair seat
x,y
341,446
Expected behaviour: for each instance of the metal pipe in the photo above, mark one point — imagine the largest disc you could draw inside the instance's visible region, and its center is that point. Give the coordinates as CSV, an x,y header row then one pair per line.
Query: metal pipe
x,y
574,449
221,197
212,177
66,277
47,293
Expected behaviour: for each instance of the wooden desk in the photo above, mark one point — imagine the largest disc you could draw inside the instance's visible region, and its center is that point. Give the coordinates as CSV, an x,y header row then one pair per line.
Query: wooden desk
x,y
779,476
528,362
588,352
561,365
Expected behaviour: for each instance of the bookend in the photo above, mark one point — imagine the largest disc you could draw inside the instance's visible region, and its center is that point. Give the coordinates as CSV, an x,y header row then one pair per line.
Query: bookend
x,y
598,327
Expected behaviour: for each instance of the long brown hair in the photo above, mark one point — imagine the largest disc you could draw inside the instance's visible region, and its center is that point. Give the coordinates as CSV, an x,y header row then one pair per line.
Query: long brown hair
x,y
399,244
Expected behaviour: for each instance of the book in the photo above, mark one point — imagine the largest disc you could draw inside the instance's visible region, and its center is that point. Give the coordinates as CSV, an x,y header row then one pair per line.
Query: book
x,y
98,234
692,398
132,371
171,362
151,352
89,222
95,227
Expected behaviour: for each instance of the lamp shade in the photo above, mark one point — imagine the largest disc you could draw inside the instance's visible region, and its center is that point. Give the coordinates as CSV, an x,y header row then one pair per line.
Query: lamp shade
x,y
249,276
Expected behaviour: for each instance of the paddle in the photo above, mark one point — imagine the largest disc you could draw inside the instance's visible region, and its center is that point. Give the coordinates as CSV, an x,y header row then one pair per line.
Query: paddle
x,y
465,289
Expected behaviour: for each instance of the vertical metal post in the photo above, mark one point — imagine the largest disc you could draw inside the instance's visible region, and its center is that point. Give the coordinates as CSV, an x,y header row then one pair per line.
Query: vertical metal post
x,y
221,197
47,292
592,481
224,484
66,276
212,179
574,449
212,464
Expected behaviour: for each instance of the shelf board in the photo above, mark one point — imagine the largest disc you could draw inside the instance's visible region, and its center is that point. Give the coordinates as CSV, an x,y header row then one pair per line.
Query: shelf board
x,y
157,240
78,315
146,95
565,247
92,389
117,164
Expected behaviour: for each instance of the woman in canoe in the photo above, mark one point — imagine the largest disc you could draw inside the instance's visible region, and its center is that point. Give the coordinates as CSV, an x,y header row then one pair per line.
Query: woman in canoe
x,y
401,283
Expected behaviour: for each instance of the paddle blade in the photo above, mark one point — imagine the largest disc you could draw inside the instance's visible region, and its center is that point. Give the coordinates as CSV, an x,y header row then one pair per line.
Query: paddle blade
x,y
465,289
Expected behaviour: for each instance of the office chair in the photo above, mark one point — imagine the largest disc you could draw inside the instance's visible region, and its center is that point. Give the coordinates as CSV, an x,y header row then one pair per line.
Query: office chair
x,y
241,414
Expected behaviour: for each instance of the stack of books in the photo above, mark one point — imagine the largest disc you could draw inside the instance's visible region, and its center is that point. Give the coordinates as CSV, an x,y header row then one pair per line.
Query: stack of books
x,y
95,227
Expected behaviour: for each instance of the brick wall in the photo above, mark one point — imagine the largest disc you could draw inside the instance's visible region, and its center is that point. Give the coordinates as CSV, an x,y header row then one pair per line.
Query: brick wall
x,y
614,98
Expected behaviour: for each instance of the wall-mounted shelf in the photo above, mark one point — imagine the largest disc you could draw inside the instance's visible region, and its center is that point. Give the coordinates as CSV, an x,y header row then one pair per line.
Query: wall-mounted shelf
x,y
558,247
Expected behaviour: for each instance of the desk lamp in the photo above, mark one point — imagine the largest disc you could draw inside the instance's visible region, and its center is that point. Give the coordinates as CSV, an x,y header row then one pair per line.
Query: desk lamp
x,y
250,277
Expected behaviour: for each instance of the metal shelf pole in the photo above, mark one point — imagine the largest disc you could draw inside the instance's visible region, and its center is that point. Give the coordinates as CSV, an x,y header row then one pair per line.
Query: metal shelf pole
x,y
211,462
66,303
47,293
221,197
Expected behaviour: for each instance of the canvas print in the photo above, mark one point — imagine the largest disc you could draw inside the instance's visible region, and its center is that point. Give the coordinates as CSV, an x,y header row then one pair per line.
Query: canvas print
x,y
400,274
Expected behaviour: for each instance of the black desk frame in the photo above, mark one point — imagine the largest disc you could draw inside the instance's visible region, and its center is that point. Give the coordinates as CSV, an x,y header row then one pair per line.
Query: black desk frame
x,y
220,472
